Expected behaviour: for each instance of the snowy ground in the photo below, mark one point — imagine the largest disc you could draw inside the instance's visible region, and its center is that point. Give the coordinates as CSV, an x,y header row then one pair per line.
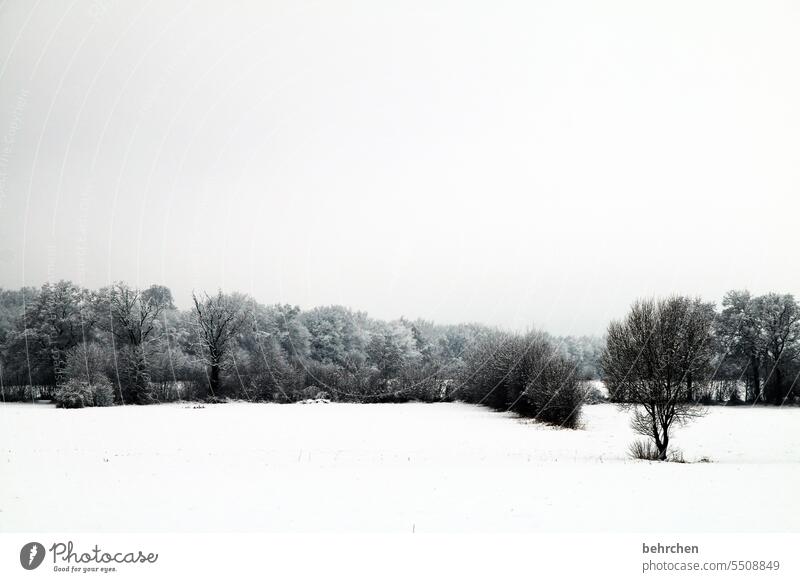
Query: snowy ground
x,y
401,467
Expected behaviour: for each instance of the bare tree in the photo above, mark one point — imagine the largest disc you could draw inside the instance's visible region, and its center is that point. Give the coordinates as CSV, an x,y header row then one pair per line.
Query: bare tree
x,y
218,319
653,358
131,316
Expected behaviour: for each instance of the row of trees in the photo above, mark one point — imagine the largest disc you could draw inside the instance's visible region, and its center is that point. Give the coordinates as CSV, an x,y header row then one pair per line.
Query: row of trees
x,y
751,342
758,340
126,345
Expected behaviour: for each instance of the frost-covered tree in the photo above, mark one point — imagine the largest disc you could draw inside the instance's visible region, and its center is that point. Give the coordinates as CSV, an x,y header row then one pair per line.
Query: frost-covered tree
x,y
780,321
12,308
391,347
282,324
338,336
217,321
585,351
742,340
132,318
272,347
761,337
55,319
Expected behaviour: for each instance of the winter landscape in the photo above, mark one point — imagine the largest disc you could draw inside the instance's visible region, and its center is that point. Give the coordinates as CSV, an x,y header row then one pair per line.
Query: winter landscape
x,y
233,415
325,269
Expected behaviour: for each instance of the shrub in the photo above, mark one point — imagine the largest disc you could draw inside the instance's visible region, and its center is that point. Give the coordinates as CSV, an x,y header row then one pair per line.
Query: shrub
x,y
87,362
78,394
265,373
524,374
644,450
73,394
676,457
554,395
344,385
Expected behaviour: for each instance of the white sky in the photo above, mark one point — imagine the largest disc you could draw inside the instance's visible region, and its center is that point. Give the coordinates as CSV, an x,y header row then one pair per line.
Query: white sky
x,y
514,163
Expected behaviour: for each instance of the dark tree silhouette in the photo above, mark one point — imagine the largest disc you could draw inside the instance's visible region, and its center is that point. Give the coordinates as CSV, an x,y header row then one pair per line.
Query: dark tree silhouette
x,y
652,360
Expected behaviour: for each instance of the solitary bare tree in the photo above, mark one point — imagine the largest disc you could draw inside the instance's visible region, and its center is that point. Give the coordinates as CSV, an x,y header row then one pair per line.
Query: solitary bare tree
x,y
652,360
219,319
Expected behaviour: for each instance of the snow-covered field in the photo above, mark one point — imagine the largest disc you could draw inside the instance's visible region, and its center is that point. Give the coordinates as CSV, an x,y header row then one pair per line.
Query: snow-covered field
x,y
392,467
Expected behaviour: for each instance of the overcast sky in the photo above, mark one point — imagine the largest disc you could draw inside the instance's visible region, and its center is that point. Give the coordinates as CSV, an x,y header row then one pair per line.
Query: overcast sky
x,y
513,163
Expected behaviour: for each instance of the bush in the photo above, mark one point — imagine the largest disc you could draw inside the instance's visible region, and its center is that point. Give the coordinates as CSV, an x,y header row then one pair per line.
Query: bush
x,y
495,370
264,372
523,374
676,457
647,451
343,385
644,450
73,394
554,395
87,362
78,394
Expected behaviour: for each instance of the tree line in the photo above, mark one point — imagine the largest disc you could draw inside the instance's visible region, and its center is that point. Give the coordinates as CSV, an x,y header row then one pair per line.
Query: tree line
x,y
750,346
126,345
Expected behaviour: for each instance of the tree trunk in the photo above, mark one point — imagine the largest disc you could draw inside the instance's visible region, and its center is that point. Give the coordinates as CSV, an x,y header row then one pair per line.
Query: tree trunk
x,y
778,392
662,448
213,378
138,378
756,384
661,442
